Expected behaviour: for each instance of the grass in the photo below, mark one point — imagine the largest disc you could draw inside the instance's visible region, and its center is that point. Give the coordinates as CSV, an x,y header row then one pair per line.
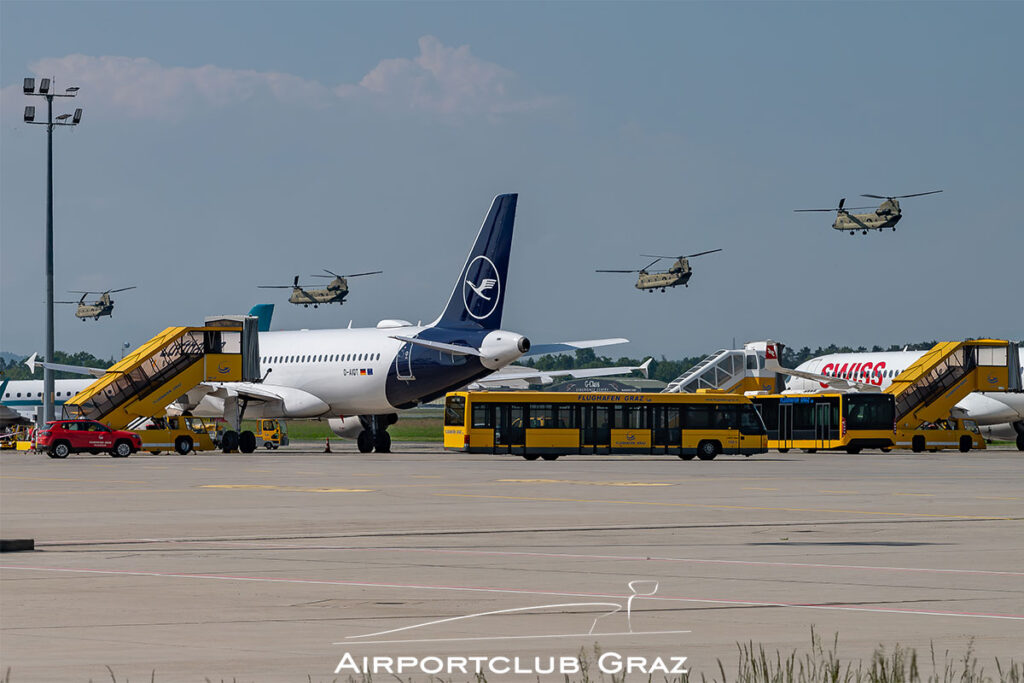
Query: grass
x,y
755,664
406,429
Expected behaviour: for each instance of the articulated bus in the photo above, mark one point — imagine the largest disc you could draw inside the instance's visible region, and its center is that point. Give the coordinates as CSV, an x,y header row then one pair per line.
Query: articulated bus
x,y
548,424
828,421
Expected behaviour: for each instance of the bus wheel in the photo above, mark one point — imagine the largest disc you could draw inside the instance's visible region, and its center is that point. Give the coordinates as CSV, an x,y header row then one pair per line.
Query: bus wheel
x,y
810,450
687,456
965,443
707,450
783,450
885,450
853,450
917,444
550,456
530,456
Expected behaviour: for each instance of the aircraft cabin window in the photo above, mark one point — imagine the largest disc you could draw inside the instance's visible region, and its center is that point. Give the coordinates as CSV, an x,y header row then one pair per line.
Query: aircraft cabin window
x,y
19,394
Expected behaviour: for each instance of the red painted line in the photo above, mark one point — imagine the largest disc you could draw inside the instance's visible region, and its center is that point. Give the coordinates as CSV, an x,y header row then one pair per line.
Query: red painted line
x,y
515,591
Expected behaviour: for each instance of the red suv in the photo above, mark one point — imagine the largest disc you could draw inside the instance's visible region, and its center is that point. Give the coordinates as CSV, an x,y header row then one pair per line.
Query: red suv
x,y
63,437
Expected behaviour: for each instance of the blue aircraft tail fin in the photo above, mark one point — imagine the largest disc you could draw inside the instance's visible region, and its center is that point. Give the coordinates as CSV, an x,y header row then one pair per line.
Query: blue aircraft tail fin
x,y
264,313
479,294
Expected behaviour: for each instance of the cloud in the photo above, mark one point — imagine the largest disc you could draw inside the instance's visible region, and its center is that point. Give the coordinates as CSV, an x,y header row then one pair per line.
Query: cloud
x,y
444,82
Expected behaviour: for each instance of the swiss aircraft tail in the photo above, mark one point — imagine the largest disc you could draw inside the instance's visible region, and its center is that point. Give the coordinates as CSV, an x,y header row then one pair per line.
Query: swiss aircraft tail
x,y
479,294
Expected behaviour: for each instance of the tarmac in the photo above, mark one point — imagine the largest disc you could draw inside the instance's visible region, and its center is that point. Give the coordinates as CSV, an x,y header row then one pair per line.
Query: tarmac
x,y
275,566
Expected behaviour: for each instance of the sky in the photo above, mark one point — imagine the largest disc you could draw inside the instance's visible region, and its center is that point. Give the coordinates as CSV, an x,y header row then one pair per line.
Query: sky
x,y
230,145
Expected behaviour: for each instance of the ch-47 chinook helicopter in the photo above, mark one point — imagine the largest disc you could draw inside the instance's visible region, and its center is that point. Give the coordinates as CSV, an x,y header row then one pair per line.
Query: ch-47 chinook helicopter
x,y
102,306
335,292
678,273
887,215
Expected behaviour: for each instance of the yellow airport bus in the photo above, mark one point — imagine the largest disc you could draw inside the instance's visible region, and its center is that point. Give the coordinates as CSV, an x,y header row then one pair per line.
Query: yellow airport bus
x,y
548,424
828,421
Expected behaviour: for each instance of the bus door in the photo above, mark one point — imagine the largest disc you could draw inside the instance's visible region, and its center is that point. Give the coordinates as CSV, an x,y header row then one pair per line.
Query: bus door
x,y
822,425
509,428
597,429
667,434
785,425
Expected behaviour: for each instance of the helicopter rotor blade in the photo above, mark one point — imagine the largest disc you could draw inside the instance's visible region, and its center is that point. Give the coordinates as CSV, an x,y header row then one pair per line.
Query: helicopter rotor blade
x,y
331,272
916,194
274,287
841,202
701,253
806,210
123,289
372,272
616,271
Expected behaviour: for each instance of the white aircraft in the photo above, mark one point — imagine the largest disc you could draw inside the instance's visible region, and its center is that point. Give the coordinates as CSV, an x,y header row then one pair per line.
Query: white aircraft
x,y
1000,413
21,399
358,378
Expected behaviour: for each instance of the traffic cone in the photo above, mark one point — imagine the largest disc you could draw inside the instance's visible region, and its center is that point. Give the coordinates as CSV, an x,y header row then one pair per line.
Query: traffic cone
x,y
327,445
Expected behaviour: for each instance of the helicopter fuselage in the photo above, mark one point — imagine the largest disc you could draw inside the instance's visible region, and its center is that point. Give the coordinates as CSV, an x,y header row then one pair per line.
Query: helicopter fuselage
x,y
678,274
335,292
885,216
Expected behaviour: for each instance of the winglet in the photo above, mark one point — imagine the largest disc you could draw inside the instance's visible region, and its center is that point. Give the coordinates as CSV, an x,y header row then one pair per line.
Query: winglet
x,y
31,362
479,294
645,367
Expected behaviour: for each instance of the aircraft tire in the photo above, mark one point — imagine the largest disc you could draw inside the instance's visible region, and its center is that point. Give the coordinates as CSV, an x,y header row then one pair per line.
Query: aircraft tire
x,y
247,442
965,444
1020,442
183,445
364,441
229,441
382,444
708,450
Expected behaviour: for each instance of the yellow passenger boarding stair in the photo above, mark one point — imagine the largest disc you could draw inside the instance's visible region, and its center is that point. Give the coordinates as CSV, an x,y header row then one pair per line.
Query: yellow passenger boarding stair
x,y
926,392
225,349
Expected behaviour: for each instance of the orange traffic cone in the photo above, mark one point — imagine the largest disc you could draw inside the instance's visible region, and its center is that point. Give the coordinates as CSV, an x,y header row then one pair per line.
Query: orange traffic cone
x,y
327,446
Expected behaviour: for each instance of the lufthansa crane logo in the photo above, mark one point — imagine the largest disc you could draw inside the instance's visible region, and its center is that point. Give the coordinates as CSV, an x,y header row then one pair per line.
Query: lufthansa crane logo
x,y
481,289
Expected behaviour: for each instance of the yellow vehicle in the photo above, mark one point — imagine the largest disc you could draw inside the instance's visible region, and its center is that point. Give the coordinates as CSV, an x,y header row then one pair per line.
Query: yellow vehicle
x,y
828,421
178,433
271,433
546,424
963,435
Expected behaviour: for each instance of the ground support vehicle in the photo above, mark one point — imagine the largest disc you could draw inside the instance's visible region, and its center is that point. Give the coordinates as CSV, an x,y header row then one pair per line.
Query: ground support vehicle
x,y
550,424
60,438
963,435
271,433
178,433
828,421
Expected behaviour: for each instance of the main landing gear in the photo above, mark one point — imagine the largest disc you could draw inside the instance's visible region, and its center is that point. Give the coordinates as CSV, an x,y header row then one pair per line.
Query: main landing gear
x,y
374,436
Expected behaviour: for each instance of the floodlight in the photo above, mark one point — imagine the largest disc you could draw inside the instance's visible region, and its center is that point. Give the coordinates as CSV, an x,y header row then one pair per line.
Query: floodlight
x,y
30,114
63,116
30,86
44,86
73,88
78,116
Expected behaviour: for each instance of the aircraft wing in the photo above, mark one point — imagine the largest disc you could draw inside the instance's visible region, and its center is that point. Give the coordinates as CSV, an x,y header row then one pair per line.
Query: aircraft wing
x,y
548,376
561,347
31,362
288,401
832,382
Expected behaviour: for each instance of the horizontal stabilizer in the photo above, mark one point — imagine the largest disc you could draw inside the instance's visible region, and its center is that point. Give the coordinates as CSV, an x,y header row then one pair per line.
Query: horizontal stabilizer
x,y
563,347
454,349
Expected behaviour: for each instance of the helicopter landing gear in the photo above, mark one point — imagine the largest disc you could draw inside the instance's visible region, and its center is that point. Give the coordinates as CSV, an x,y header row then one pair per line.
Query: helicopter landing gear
x,y
305,305
864,232
851,232
316,306
662,289
894,228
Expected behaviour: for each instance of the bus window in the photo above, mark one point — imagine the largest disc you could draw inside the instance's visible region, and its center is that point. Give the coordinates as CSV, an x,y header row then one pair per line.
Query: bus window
x,y
869,411
696,416
750,422
483,416
629,417
566,417
725,417
455,411
542,415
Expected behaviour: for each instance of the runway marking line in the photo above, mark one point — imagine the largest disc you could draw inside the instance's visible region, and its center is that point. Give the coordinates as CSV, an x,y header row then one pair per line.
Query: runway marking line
x,y
922,495
716,507
293,489
757,488
95,492
583,483
829,491
518,591
630,558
